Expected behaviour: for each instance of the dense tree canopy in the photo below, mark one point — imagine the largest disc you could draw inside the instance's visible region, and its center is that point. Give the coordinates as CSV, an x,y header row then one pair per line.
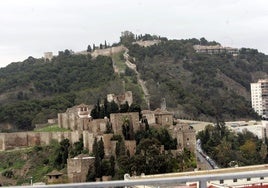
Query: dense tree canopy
x,y
195,86
200,85
244,148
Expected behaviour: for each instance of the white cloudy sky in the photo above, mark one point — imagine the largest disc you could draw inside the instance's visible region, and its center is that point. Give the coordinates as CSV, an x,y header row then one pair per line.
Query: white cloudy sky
x,y
31,27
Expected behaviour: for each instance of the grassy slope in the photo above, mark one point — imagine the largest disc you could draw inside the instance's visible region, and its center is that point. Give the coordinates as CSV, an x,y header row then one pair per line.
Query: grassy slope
x,y
33,162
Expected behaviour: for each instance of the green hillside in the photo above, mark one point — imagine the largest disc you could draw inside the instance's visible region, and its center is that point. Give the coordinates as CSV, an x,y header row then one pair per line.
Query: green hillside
x,y
195,86
200,86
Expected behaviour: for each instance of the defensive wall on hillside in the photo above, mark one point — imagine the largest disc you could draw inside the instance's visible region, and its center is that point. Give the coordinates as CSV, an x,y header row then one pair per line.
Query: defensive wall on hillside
x,y
27,139
118,119
78,120
10,141
105,52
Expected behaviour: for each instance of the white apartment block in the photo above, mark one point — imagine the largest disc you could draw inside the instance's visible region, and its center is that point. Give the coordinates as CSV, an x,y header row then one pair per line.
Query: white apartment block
x,y
259,97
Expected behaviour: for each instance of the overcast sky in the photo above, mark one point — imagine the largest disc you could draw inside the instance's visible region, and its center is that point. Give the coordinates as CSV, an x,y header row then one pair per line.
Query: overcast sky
x,y
32,27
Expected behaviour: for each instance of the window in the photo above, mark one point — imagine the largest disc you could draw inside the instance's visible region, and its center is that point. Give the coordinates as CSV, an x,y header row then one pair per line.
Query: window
x,y
248,179
221,181
261,178
235,180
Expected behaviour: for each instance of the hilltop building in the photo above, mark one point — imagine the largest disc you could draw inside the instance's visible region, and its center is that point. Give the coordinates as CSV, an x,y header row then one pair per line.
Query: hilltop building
x,y
48,56
121,99
215,49
159,117
81,126
259,97
75,118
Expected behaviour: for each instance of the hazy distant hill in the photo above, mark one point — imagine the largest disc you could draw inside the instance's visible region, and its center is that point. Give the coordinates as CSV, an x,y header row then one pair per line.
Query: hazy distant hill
x,y
196,86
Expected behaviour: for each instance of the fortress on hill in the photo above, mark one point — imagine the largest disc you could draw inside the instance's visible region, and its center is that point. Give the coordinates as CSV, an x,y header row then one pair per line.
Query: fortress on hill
x,y
81,125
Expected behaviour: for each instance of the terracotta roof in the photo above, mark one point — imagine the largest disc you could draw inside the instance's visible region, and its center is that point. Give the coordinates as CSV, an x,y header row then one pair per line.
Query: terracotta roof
x,y
54,173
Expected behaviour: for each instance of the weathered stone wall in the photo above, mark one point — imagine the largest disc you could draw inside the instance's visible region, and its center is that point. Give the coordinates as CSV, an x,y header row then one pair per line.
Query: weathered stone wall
x,y
117,121
131,146
107,144
190,140
88,140
107,51
45,138
13,140
27,139
149,115
113,147
97,126
78,168
71,120
147,43
122,98
164,119
186,137
33,139
2,141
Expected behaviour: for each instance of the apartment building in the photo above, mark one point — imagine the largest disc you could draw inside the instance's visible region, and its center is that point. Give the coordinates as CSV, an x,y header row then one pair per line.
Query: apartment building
x,y
259,97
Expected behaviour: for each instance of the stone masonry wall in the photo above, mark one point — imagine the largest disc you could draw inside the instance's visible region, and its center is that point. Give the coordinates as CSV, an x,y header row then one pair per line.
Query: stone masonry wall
x,y
78,167
28,139
2,142
107,144
107,51
117,121
88,140
131,146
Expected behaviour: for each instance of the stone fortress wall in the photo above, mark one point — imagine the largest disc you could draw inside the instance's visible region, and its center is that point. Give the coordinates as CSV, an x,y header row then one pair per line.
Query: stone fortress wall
x,y
105,52
27,139
81,125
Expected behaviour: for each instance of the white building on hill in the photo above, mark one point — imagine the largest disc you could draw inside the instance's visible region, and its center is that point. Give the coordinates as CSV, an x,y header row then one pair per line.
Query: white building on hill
x,y
259,97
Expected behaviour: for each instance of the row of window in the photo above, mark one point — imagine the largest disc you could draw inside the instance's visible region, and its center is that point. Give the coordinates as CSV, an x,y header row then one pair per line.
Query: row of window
x,y
235,180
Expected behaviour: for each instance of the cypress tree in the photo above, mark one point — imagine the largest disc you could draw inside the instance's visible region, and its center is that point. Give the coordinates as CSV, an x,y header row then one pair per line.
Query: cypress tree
x,y
101,149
